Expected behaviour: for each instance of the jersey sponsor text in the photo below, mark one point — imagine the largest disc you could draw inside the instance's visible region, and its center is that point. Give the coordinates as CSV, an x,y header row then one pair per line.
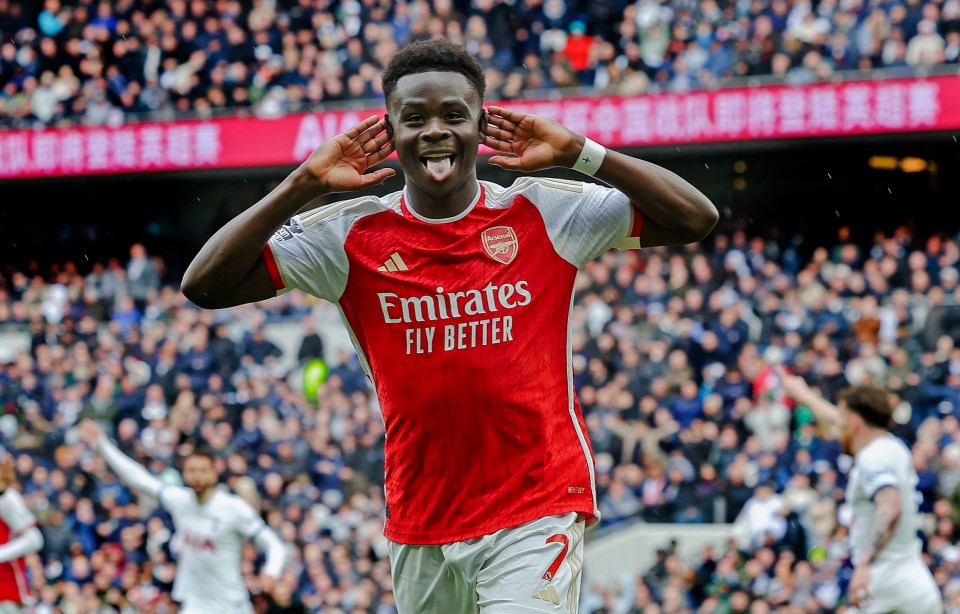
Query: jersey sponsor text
x,y
483,329
454,305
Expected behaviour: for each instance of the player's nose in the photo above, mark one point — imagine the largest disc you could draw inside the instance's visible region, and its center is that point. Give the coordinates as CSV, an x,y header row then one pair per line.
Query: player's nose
x,y
434,129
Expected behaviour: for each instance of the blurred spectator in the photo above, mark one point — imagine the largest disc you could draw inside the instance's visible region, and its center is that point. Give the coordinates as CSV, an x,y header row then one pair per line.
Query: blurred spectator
x,y
762,519
143,276
312,344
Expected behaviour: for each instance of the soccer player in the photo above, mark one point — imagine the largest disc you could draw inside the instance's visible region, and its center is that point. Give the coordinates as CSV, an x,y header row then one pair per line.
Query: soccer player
x,y
210,526
19,536
889,573
458,295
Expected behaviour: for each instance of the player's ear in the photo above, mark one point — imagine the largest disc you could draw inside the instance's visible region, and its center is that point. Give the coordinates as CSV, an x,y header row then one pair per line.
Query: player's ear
x,y
482,122
386,119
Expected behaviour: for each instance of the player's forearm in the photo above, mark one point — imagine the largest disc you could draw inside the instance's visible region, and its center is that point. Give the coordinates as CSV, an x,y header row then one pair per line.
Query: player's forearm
x,y
269,543
128,470
885,522
26,543
230,255
682,210
826,413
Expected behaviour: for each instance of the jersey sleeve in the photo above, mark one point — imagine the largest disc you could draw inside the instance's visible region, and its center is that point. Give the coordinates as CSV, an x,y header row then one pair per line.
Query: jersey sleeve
x,y
276,554
308,251
308,256
15,513
586,219
246,521
876,470
174,498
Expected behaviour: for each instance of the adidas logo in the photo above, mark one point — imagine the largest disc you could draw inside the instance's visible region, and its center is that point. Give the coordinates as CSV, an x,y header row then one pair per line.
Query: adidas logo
x,y
548,594
394,263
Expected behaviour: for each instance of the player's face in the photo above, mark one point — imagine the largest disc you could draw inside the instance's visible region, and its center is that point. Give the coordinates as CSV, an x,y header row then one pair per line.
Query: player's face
x,y
436,120
199,473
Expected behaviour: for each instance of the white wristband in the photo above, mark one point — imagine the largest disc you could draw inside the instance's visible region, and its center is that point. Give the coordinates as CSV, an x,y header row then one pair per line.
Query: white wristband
x,y
590,158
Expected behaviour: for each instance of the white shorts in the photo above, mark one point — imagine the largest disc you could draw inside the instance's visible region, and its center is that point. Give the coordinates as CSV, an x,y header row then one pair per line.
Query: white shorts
x,y
905,589
534,567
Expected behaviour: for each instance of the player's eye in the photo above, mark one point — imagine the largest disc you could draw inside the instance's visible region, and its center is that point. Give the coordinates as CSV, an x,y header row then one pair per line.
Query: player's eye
x,y
413,119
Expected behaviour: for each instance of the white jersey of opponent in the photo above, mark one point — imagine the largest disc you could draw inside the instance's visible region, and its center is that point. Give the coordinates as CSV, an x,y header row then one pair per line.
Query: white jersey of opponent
x,y
899,579
209,540
885,461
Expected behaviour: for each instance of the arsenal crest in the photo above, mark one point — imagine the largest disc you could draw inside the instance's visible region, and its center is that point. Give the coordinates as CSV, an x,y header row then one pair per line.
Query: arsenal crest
x,y
500,243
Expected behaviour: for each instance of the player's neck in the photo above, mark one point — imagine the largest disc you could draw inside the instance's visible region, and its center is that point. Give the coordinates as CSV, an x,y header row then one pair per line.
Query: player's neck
x,y
204,495
426,206
865,438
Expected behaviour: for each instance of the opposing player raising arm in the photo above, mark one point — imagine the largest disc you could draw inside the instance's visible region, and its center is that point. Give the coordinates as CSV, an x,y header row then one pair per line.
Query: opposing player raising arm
x,y
827,415
210,524
889,573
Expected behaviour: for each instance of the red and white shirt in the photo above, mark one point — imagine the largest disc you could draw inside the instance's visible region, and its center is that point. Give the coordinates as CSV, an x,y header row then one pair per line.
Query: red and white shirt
x,y
15,519
463,325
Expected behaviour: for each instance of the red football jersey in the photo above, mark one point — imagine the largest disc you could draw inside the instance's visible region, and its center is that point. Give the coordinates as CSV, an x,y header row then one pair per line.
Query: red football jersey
x,y
15,518
463,326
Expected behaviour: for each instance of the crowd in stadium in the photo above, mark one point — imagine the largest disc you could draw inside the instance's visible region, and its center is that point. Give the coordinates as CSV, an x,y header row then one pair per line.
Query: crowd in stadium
x,y
673,367
101,62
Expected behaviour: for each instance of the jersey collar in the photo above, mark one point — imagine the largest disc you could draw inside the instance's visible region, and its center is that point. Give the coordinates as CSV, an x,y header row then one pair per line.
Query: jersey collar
x,y
443,220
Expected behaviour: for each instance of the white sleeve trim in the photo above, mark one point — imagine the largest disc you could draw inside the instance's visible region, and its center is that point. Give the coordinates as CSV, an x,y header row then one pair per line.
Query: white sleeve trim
x,y
583,220
311,255
876,480
28,542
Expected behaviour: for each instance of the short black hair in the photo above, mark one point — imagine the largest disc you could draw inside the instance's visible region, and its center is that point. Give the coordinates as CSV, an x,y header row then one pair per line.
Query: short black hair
x,y
429,56
868,402
203,451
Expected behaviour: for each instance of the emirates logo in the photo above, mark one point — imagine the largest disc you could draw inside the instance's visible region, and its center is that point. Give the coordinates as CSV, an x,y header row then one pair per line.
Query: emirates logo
x,y
501,243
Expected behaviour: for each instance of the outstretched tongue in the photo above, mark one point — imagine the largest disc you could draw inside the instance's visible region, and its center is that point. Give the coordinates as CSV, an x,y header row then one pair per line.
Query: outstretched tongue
x,y
439,168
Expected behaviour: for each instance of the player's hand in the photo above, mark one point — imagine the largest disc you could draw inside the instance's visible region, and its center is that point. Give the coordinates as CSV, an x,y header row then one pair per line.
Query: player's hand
x,y
267,584
537,142
859,590
341,163
90,432
793,385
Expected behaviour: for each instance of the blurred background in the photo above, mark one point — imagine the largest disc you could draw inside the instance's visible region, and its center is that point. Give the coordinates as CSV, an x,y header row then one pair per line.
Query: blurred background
x,y
825,132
